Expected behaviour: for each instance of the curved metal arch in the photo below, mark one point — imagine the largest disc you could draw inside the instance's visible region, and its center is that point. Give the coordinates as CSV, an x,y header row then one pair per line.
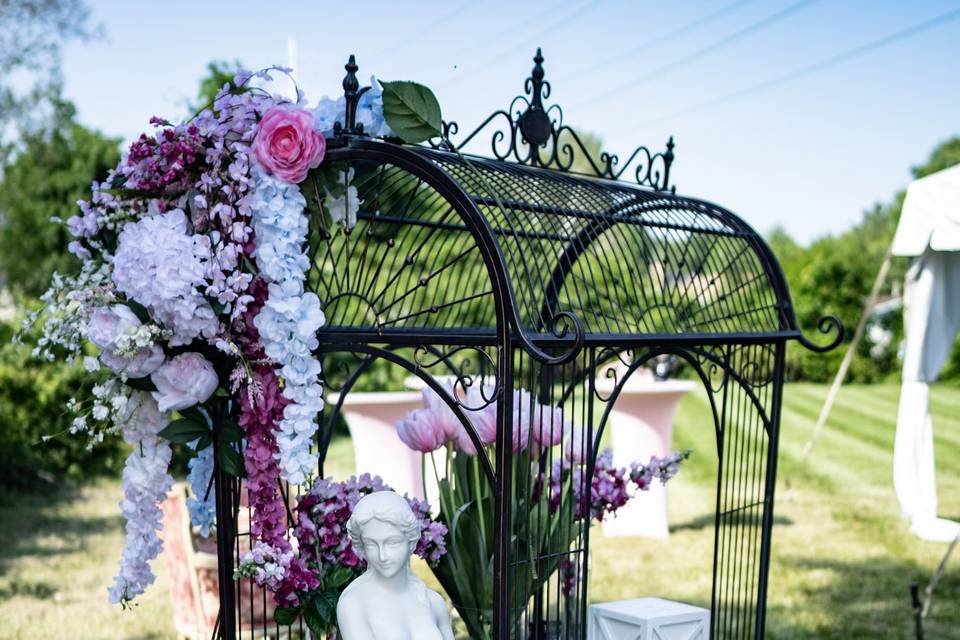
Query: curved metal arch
x,y
590,234
685,354
349,148
788,317
639,362
415,369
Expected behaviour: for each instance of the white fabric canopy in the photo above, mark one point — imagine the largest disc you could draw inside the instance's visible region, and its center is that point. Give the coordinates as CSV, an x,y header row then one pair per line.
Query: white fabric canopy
x,y
931,215
929,229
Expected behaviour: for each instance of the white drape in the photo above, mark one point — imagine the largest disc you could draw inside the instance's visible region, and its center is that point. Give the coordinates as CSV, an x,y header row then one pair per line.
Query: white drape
x,y
931,321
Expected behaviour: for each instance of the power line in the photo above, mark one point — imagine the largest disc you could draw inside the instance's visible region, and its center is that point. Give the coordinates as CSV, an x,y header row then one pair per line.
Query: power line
x,y
815,67
564,21
430,27
700,53
690,26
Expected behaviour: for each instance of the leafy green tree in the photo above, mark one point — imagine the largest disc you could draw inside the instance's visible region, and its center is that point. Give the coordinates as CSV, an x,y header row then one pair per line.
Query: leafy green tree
x,y
219,73
834,276
51,171
31,33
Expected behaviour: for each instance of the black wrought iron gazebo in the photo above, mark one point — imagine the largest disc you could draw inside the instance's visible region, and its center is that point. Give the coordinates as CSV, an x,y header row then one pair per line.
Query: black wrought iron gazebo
x,y
539,268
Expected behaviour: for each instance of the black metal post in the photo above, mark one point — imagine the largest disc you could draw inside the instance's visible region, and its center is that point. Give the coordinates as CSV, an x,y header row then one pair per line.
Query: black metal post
x,y
773,438
226,531
504,500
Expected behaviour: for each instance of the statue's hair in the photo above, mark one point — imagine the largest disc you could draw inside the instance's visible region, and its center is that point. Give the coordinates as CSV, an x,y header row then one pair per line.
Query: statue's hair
x,y
385,506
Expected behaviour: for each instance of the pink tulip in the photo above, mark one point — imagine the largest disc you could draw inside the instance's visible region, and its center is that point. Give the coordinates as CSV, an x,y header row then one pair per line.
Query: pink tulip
x,y
422,430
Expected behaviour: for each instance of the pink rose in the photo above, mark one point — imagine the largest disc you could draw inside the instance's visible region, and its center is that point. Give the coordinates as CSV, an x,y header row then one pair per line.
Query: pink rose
x,y
287,145
185,380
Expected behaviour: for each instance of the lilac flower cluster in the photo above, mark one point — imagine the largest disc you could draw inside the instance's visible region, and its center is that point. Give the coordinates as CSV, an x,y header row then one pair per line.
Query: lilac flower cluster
x,y
165,162
661,469
609,486
322,516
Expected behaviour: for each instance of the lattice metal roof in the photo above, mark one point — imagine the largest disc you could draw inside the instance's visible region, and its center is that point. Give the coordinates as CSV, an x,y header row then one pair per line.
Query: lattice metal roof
x,y
457,245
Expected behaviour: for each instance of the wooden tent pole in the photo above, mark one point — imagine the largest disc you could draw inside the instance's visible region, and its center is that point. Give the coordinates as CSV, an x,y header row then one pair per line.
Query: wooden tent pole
x,y
851,351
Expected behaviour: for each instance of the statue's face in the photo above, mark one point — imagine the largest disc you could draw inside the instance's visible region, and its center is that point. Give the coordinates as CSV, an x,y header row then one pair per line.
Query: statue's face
x,y
385,548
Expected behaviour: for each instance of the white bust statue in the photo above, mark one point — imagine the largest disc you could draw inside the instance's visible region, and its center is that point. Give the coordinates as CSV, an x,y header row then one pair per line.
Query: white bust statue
x,y
388,602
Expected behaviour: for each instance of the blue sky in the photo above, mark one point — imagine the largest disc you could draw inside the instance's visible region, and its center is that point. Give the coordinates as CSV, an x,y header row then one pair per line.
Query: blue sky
x,y
808,154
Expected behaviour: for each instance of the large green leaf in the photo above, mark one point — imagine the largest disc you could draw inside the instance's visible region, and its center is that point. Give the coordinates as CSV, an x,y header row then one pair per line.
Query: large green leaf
x,y
183,431
286,615
231,461
411,110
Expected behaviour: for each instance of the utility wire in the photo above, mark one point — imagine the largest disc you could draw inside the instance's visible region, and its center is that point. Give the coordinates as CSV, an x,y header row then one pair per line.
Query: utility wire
x,y
703,52
690,26
430,27
815,67
564,21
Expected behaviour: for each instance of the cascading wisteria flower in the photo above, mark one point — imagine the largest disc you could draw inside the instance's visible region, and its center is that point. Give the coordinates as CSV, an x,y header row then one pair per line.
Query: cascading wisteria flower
x,y
146,482
201,504
289,319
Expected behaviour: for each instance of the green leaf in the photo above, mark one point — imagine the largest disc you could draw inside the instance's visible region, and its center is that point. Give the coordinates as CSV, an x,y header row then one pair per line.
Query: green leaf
x,y
193,413
286,615
326,605
183,431
140,311
231,461
141,384
230,431
318,615
205,441
339,576
411,110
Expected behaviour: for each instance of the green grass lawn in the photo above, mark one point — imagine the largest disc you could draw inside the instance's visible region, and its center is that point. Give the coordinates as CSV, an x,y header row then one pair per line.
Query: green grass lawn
x,y
842,557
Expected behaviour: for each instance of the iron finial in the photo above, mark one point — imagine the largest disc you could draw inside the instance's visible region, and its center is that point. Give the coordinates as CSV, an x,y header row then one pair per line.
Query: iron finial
x,y
351,96
534,123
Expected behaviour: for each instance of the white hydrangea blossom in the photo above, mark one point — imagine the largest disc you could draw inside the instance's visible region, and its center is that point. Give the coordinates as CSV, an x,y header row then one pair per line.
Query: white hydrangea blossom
x,y
161,266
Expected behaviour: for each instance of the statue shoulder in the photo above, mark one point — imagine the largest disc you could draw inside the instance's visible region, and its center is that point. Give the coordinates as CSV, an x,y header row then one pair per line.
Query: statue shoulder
x,y
350,596
437,603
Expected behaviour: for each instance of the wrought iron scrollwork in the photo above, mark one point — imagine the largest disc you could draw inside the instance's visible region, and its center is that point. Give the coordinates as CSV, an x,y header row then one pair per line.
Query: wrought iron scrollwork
x,y
466,371
826,325
530,133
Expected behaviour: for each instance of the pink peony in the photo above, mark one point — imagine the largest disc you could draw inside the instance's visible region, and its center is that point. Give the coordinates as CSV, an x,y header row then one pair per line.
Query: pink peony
x,y
423,430
109,323
185,380
139,365
287,145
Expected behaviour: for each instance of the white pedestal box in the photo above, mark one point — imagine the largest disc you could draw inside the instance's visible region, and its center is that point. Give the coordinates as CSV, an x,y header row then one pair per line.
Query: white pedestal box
x,y
647,619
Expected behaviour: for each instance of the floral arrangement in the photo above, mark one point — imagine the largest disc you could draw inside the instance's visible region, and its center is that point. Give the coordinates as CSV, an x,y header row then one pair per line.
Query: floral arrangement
x,y
192,290
327,553
553,479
